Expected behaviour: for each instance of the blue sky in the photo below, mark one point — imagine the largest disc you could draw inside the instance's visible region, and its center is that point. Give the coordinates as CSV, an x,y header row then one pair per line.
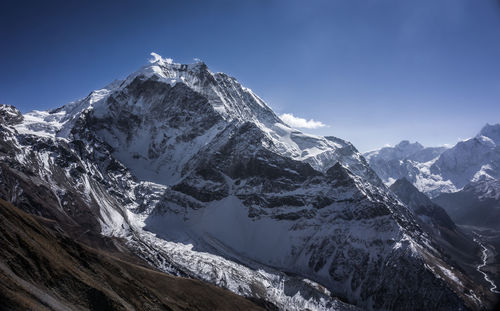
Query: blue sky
x,y
374,72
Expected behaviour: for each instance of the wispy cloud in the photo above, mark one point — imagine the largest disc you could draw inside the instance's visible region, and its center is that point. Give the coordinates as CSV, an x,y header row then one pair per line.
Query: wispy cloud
x,y
159,59
294,121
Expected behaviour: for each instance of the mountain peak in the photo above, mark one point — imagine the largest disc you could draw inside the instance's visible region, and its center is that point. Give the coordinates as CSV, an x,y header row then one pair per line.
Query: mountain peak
x,y
421,204
9,114
491,131
403,182
160,60
409,194
164,61
167,71
227,96
147,87
406,144
405,189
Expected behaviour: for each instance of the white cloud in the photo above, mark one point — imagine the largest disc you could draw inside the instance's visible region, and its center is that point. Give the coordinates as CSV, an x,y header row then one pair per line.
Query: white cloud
x,y
294,121
160,60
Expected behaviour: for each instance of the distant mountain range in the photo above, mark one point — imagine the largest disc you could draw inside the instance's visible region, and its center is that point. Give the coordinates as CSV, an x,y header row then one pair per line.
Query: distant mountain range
x,y
463,179
435,170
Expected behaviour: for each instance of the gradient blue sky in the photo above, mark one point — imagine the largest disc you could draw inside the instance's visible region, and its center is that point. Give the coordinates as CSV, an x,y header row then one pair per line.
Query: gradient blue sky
x,y
374,71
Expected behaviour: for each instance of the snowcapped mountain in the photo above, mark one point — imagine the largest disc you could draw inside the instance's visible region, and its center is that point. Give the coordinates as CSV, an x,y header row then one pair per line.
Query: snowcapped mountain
x,y
441,170
471,160
200,178
492,132
165,113
411,161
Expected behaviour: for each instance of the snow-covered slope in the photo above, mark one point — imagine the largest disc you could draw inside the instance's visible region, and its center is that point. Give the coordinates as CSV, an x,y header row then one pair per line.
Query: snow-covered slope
x,y
411,161
441,170
202,179
471,160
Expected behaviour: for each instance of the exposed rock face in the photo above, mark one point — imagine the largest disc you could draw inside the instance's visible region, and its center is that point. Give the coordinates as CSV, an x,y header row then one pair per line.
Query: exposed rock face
x,y
202,179
9,115
458,247
427,211
477,204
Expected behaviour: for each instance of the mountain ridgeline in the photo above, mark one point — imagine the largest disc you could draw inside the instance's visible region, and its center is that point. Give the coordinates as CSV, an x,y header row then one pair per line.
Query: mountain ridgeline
x,y
193,174
436,170
463,179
